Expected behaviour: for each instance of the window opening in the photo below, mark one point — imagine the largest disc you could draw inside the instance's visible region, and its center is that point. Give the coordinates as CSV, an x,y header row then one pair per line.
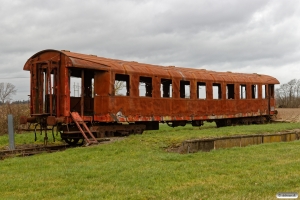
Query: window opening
x,y
254,91
166,88
185,91
230,91
92,88
263,91
217,93
51,85
121,85
145,86
271,88
243,94
75,84
50,100
201,90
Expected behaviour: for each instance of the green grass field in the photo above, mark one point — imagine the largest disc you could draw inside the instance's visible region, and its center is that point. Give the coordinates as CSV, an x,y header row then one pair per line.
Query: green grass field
x,y
138,167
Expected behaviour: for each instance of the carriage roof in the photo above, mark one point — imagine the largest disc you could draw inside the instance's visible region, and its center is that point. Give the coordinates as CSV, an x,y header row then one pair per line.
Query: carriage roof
x,y
93,62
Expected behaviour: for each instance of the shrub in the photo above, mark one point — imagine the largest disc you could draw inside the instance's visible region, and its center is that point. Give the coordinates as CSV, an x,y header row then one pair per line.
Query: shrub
x,y
17,110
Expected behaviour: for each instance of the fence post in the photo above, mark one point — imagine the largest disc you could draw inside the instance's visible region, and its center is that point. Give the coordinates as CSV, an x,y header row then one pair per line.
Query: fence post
x,y
11,133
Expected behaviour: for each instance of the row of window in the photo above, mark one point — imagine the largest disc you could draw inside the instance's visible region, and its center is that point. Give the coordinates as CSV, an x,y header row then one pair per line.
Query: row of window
x,y
145,88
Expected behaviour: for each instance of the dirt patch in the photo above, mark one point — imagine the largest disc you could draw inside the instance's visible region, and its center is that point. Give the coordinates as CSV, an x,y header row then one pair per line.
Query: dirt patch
x,y
288,114
32,146
23,146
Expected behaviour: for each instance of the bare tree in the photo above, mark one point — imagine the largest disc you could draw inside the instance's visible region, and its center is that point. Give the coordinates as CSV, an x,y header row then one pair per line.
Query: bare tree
x,y
6,91
119,85
288,94
297,87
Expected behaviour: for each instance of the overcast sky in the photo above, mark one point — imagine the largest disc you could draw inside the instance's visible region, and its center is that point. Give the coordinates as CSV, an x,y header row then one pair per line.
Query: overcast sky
x,y
252,36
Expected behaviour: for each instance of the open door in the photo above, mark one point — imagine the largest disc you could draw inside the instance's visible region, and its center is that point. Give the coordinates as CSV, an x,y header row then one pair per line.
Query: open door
x,y
271,100
44,79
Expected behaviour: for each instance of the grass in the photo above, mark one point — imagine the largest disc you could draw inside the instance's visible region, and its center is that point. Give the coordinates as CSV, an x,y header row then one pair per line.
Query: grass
x,y
174,136
168,136
139,168
27,138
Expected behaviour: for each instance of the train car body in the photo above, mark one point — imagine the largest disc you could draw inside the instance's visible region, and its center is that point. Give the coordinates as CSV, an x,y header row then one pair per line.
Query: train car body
x,y
150,94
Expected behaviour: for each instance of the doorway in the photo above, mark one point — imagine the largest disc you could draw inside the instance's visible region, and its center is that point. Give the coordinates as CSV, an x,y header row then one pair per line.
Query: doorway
x,y
81,85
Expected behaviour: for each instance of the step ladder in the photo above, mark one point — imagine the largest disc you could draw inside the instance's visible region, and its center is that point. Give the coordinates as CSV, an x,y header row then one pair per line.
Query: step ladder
x,y
84,129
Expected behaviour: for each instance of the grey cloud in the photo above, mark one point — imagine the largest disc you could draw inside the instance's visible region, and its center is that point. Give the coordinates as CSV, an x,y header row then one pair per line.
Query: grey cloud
x,y
229,35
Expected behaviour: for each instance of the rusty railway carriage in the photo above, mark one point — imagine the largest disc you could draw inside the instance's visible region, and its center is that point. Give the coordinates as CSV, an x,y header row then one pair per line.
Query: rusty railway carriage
x,y
151,94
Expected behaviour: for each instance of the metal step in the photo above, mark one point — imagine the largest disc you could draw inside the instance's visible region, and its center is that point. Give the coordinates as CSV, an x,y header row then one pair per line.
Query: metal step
x,y
84,129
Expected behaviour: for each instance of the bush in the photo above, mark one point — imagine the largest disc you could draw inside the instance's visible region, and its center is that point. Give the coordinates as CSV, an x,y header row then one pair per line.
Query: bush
x,y
17,110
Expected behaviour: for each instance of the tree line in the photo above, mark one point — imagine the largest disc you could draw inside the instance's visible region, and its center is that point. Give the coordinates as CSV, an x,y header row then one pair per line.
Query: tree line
x,y
288,94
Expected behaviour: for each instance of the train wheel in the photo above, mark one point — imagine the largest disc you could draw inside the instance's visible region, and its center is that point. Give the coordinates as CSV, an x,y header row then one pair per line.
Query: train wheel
x,y
71,141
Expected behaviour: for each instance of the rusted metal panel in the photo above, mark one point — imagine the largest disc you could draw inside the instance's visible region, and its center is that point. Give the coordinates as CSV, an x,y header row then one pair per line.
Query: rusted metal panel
x,y
102,105
215,107
230,107
179,106
143,106
102,84
134,86
202,107
156,86
217,77
88,64
43,57
125,117
162,106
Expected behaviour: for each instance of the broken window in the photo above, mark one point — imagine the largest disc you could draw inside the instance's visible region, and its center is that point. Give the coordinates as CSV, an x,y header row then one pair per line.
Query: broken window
x,y
145,86
254,91
121,85
263,91
166,88
230,91
201,90
243,94
185,89
217,93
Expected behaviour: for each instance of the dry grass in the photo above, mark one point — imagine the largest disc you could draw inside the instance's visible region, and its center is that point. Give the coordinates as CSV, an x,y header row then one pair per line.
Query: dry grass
x,y
17,110
288,114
